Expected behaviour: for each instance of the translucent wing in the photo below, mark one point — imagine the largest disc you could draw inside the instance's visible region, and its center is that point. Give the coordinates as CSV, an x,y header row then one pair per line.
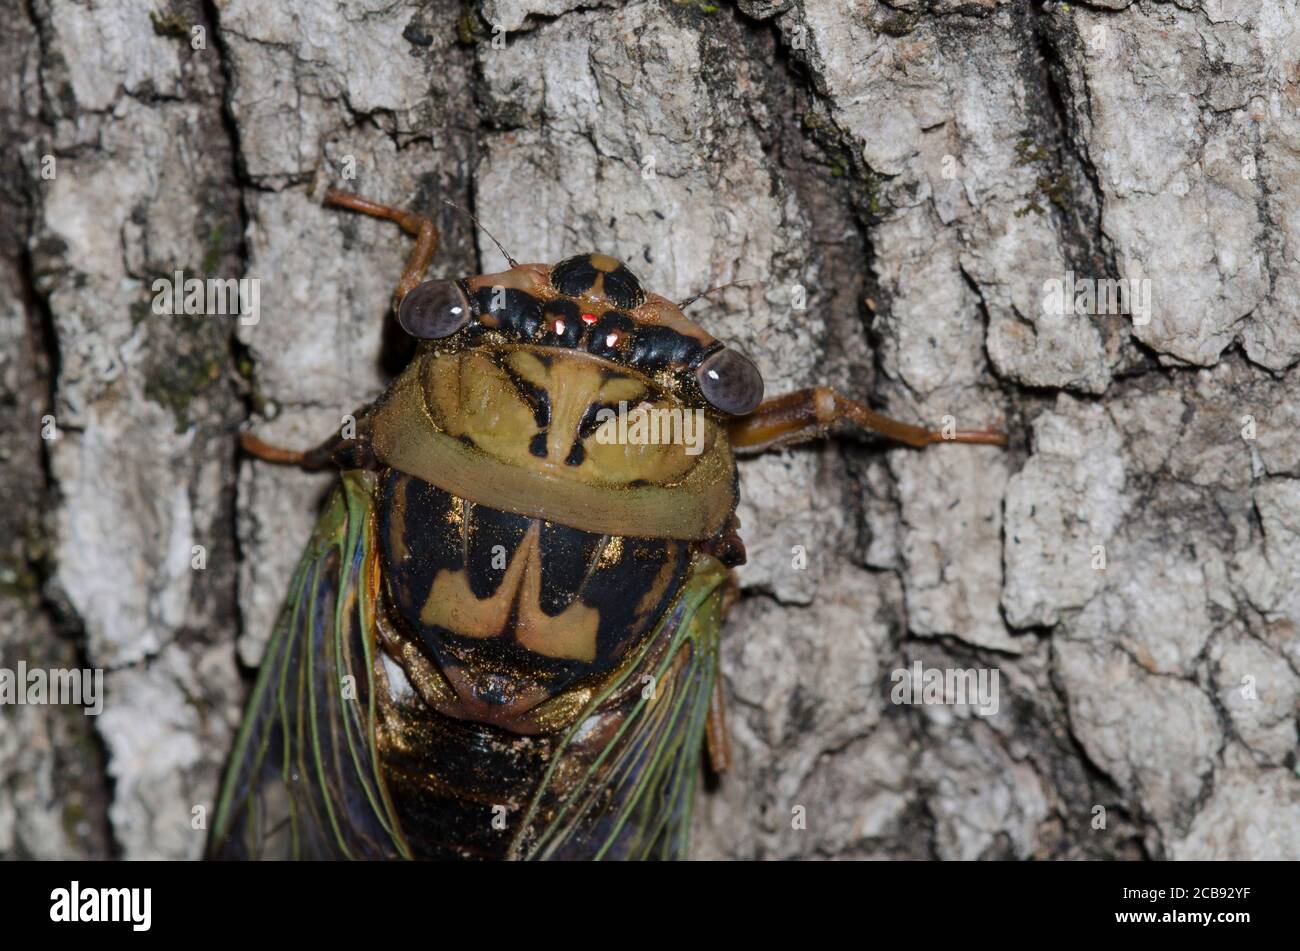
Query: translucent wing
x,y
622,782
303,781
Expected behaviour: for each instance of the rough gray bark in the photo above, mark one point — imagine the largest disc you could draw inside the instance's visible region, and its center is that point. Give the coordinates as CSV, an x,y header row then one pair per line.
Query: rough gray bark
x,y
921,169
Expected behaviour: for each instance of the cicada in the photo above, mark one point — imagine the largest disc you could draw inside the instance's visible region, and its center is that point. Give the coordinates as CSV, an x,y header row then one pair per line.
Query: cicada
x,y
502,639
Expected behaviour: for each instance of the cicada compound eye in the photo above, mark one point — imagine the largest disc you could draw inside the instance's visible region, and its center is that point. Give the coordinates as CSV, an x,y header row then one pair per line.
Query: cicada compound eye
x,y
730,382
434,310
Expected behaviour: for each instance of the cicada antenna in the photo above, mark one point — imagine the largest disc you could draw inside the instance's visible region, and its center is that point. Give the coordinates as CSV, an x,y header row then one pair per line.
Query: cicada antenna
x,y
721,287
513,262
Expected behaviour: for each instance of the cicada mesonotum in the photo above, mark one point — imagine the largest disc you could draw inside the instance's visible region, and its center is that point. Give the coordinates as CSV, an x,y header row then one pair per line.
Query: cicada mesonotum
x,y
502,639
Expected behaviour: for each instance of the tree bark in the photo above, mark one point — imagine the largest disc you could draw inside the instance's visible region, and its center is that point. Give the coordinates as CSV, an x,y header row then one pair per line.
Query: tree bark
x,y
906,181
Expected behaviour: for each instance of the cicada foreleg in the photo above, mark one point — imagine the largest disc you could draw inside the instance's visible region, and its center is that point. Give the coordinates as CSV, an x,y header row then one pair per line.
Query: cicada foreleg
x,y
338,451
419,227
803,416
813,413
354,452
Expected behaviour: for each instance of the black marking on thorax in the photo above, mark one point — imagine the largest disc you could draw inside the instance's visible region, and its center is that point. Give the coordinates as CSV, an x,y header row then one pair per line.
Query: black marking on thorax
x,y
424,531
610,333
599,274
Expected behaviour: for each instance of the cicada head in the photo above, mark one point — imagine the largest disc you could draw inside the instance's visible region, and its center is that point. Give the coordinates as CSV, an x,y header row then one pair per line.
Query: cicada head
x,y
569,393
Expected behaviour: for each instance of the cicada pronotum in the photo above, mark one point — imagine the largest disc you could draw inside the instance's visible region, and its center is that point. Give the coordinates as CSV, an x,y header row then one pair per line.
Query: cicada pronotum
x,y
502,640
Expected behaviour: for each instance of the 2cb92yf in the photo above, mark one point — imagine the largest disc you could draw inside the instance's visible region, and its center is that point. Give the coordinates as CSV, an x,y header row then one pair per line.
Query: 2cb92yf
x,y
502,639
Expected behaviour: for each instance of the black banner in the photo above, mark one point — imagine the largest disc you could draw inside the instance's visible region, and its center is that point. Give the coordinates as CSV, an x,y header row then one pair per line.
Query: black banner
x,y
929,902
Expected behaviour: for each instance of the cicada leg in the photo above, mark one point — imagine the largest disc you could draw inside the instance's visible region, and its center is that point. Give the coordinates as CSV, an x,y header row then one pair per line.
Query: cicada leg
x,y
337,451
802,416
421,228
716,736
812,413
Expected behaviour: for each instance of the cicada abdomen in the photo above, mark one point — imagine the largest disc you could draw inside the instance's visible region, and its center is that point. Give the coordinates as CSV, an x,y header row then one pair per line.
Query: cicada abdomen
x,y
450,681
